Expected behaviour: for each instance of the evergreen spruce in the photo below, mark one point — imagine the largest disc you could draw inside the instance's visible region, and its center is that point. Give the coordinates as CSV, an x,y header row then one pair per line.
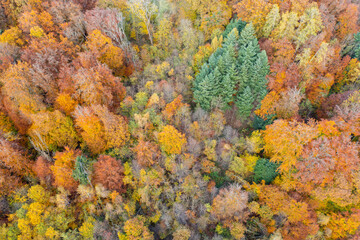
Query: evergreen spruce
x,y
203,95
265,170
228,91
236,72
244,102
247,36
234,23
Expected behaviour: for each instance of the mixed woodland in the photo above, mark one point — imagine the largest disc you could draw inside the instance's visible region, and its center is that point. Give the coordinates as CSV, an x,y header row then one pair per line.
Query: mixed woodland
x,y
179,119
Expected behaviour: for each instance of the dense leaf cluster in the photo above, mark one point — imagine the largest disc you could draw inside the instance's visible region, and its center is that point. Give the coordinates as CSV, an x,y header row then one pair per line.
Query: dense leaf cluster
x,y
179,119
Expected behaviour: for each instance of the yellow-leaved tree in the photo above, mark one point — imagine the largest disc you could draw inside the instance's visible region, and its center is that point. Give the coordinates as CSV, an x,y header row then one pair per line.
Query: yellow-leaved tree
x,y
135,229
52,130
100,128
171,140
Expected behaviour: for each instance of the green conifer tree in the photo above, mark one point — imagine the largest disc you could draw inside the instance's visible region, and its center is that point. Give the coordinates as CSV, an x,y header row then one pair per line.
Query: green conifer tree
x,y
234,23
244,102
238,68
228,91
203,93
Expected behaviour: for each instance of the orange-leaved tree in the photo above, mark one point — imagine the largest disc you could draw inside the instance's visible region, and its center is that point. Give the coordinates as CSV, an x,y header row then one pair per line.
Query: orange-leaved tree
x,y
90,82
253,11
63,169
21,97
13,158
325,157
285,141
110,173
100,128
300,217
106,52
8,182
146,153
348,21
42,170
171,108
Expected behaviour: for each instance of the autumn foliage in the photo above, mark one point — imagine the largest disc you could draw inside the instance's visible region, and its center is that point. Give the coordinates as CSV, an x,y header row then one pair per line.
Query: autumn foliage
x,y
63,167
171,140
179,119
109,172
147,153
13,158
100,128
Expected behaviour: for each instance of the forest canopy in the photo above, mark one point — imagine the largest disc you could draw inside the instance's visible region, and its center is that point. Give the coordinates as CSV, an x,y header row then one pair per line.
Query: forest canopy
x,y
179,119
